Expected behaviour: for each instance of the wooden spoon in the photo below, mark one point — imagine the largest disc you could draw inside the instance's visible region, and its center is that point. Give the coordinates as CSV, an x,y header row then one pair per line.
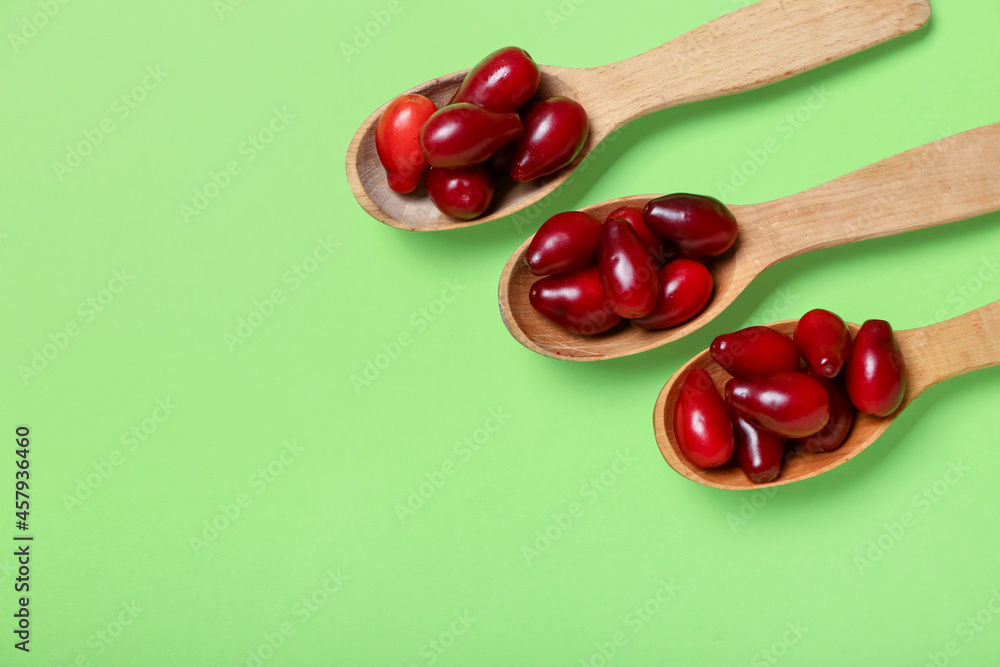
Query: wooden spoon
x,y
946,180
751,47
932,354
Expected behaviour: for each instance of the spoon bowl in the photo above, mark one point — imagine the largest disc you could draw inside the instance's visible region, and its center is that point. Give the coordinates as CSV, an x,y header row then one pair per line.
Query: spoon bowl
x,y
540,334
415,211
749,48
932,354
947,180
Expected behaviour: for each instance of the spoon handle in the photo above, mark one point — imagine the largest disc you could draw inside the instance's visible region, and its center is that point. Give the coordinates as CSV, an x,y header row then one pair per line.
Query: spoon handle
x,y
950,179
947,349
751,47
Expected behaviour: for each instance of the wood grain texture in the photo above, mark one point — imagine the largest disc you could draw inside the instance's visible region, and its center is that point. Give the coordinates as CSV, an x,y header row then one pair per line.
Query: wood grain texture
x,y
932,354
755,46
947,180
751,47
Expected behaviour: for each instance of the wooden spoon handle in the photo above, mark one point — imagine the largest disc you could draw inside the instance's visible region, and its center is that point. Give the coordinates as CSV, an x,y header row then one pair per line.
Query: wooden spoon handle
x,y
944,181
751,47
947,349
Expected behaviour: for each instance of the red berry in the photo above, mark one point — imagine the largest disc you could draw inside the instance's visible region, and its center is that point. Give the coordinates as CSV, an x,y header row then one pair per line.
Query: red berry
x,y
786,403
698,226
701,422
574,301
502,81
565,242
759,452
875,373
554,132
463,193
755,351
824,341
460,135
657,248
835,432
628,273
685,288
397,140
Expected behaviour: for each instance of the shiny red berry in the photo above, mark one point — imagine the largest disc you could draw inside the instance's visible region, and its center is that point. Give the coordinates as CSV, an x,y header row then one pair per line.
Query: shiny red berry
x,y
397,141
660,252
786,403
875,372
565,242
574,301
555,131
701,422
759,452
842,412
502,81
824,341
461,135
698,226
685,288
463,193
628,273
755,350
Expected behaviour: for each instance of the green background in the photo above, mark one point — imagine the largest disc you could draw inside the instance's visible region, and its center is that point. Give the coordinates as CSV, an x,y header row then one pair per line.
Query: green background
x,y
320,560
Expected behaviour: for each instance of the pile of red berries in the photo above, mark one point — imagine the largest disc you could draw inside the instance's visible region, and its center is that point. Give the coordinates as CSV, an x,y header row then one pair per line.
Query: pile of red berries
x,y
787,394
645,265
492,125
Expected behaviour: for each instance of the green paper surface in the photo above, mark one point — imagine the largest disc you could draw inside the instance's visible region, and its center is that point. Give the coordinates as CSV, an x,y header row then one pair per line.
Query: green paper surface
x,y
266,429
